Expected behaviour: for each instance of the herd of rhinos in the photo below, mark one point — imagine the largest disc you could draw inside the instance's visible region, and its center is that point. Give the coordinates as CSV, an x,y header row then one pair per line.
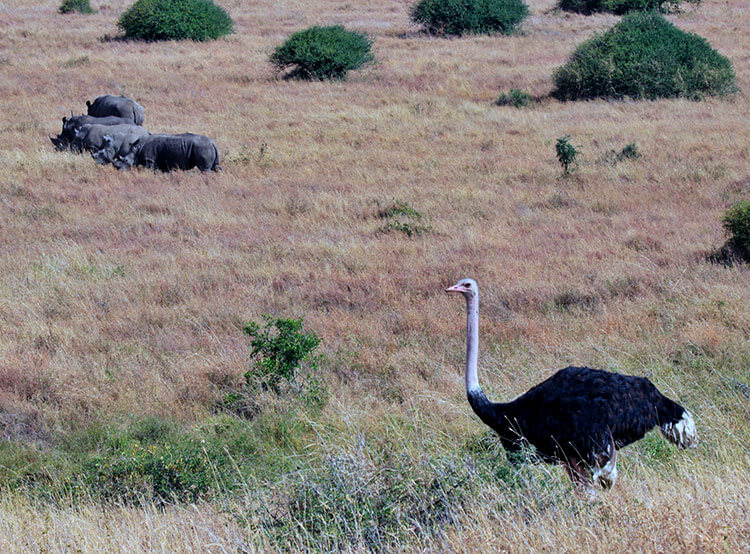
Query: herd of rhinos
x,y
112,132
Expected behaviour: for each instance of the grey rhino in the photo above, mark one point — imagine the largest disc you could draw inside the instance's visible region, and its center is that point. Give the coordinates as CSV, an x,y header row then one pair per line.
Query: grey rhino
x,y
92,137
113,149
167,152
119,106
74,122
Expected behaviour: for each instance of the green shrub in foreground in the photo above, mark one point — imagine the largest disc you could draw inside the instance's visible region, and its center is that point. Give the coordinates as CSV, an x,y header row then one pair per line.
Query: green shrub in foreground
x,y
621,6
644,56
323,53
80,6
459,17
175,20
737,224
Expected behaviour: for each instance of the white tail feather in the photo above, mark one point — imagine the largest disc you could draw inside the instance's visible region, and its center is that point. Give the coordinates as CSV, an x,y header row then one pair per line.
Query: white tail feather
x,y
682,432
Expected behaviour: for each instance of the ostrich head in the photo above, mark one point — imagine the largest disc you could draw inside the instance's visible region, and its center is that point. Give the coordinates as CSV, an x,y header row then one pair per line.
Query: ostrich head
x,y
467,287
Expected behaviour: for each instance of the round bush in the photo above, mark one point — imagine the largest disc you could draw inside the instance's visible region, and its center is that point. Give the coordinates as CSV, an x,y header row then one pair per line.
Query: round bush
x,y
621,6
323,53
644,56
737,224
175,20
80,6
459,17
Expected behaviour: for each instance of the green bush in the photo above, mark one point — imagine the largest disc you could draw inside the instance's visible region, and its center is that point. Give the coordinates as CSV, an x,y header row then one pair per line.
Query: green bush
x,y
621,6
158,472
516,98
644,56
323,53
175,20
401,217
737,224
566,154
629,152
278,348
80,6
459,17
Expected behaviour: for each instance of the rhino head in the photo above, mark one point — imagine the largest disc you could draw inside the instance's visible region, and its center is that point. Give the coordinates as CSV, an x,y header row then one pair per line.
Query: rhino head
x,y
125,159
106,154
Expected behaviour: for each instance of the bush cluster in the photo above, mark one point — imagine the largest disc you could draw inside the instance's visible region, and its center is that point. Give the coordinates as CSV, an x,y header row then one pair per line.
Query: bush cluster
x,y
621,6
459,17
80,6
198,20
323,53
644,56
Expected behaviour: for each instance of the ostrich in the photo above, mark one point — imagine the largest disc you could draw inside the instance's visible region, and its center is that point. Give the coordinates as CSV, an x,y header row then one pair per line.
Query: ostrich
x,y
578,417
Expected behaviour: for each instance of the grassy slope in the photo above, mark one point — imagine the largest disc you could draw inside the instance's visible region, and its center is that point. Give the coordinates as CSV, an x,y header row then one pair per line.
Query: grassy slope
x,y
120,293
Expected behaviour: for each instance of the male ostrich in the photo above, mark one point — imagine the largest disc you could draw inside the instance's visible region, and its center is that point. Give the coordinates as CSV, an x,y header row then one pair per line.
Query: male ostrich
x,y
578,417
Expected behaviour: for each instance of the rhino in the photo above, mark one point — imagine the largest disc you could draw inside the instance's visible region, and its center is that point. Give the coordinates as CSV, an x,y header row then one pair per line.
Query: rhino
x,y
167,152
74,122
92,137
119,106
115,148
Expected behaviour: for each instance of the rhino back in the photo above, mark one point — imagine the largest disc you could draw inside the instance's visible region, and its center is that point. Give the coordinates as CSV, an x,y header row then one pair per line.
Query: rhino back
x,y
185,151
96,134
120,106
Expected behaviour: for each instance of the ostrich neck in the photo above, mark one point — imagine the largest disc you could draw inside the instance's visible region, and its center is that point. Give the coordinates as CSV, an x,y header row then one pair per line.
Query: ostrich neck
x,y
472,345
490,413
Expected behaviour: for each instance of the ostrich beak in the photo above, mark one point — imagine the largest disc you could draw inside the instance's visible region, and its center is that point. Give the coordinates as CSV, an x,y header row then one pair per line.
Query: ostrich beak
x,y
454,288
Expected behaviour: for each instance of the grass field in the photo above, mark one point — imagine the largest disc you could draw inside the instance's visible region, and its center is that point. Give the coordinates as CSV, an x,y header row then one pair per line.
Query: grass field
x,y
123,294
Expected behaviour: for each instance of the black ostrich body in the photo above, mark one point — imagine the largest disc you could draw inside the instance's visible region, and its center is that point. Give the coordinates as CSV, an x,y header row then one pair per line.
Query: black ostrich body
x,y
579,416
577,413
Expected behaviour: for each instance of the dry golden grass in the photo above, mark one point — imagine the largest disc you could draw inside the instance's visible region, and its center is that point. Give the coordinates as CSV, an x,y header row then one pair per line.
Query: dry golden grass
x,y
121,293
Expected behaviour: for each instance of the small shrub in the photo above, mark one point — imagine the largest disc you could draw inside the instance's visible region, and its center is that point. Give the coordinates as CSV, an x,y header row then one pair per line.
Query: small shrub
x,y
737,224
567,154
621,6
278,348
198,20
80,6
644,56
459,17
404,219
516,98
629,152
323,53
344,502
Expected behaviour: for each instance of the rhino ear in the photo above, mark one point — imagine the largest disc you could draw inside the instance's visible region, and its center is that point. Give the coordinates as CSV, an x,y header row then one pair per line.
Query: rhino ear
x,y
88,103
65,119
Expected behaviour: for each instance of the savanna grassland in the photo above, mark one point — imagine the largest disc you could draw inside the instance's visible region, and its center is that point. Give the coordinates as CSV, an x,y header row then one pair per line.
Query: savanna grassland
x,y
123,294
